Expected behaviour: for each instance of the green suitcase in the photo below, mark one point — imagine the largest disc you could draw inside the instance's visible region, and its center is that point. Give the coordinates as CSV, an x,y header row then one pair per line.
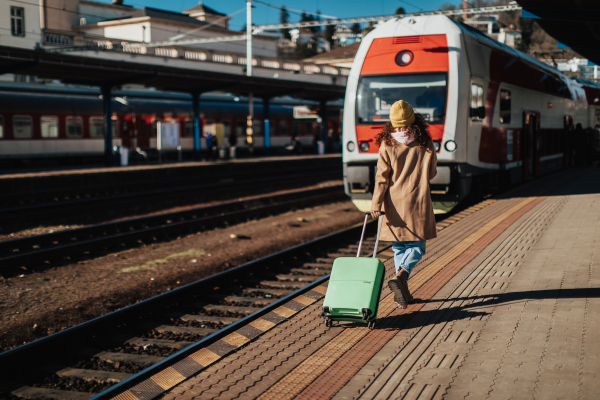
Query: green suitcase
x,y
355,286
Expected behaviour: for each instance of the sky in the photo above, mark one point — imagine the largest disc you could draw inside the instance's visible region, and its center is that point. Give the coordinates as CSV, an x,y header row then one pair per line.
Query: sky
x,y
267,15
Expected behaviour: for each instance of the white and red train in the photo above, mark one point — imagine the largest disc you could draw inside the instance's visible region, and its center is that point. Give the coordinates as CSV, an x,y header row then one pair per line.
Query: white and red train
x,y
56,122
495,114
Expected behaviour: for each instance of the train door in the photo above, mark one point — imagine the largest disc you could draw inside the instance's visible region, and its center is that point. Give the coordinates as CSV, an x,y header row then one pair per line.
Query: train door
x,y
143,133
530,144
567,140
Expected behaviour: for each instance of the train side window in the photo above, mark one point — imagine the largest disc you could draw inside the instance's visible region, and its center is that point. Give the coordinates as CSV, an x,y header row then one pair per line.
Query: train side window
x,y
284,129
240,128
115,127
96,126
1,127
226,128
144,127
257,127
22,127
74,127
189,128
308,128
296,128
477,108
504,106
49,127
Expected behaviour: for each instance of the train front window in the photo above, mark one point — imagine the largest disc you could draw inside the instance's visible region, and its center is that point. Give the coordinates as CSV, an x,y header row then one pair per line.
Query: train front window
x,y
426,93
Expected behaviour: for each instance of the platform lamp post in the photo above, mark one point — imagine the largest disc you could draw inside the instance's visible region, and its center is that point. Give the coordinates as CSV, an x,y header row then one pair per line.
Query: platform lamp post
x,y
107,108
249,132
196,120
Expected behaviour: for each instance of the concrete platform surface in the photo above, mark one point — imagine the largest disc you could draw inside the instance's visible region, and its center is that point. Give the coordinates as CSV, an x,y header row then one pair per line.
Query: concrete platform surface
x,y
507,307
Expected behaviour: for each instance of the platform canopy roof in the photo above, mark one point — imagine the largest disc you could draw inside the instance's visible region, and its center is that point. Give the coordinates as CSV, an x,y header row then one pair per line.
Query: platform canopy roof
x,y
574,23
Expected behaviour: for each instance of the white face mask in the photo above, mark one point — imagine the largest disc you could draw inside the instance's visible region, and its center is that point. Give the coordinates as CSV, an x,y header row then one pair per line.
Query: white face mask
x,y
401,135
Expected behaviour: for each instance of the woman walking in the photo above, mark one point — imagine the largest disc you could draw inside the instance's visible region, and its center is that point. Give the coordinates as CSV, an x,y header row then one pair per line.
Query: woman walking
x,y
407,161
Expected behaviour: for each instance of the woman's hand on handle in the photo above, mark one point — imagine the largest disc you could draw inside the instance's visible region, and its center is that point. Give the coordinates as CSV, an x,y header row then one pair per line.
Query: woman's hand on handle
x,y
376,214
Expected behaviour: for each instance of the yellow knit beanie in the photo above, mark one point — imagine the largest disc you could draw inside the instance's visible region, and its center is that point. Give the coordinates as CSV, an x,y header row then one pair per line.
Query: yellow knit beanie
x,y
401,114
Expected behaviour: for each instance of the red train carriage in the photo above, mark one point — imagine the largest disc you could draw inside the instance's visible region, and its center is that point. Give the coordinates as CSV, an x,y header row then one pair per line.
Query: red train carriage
x,y
67,122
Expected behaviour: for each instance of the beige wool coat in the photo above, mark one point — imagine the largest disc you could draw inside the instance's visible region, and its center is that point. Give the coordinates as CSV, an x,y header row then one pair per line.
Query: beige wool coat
x,y
402,191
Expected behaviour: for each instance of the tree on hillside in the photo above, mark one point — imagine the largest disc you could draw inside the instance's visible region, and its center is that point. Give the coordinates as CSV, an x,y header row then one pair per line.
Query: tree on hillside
x,y
355,28
447,7
400,10
527,28
329,32
284,17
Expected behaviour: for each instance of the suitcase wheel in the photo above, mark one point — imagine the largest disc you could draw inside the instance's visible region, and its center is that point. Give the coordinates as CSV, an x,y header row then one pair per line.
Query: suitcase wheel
x,y
371,325
328,322
366,314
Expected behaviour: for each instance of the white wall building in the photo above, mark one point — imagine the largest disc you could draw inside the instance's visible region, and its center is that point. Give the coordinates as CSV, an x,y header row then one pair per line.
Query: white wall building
x,y
21,23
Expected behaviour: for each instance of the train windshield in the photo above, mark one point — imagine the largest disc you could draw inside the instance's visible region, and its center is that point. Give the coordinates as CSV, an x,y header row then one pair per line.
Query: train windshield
x,y
425,92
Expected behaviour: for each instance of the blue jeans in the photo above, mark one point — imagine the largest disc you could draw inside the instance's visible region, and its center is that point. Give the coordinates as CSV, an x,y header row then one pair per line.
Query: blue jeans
x,y
408,254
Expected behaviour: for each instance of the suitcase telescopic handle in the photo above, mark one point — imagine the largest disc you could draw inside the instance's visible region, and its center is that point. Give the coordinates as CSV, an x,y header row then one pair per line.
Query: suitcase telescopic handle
x,y
362,235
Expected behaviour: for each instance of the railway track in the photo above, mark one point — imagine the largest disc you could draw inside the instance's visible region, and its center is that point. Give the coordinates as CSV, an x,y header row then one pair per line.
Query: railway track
x,y
131,232
85,359
132,343
66,205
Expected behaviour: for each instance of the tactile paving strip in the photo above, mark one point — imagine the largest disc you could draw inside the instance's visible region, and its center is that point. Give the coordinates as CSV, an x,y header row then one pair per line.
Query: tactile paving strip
x,y
192,364
320,362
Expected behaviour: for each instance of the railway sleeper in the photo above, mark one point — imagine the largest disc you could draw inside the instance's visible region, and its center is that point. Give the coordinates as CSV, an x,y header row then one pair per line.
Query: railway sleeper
x,y
28,392
207,319
137,359
267,292
297,278
282,284
243,301
86,374
144,342
182,330
236,310
311,272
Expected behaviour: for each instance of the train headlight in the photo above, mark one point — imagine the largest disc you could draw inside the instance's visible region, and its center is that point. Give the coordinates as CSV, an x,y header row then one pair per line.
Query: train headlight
x,y
350,146
364,146
450,145
437,146
404,58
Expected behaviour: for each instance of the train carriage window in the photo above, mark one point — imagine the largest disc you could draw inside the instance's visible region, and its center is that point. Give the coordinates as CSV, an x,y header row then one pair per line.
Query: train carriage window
x,y
74,127
226,128
143,127
425,92
504,106
1,127
308,128
296,128
22,127
477,107
96,126
284,129
240,128
115,126
257,127
49,127
189,128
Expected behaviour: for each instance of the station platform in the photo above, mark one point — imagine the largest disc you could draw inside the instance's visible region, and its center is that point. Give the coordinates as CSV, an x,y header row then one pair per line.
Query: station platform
x,y
507,306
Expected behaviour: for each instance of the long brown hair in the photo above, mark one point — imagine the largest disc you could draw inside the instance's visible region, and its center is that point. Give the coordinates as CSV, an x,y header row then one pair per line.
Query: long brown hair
x,y
420,128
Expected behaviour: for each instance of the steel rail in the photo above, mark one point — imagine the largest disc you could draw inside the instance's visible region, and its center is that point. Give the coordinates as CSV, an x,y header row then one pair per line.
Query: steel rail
x,y
150,226
31,351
